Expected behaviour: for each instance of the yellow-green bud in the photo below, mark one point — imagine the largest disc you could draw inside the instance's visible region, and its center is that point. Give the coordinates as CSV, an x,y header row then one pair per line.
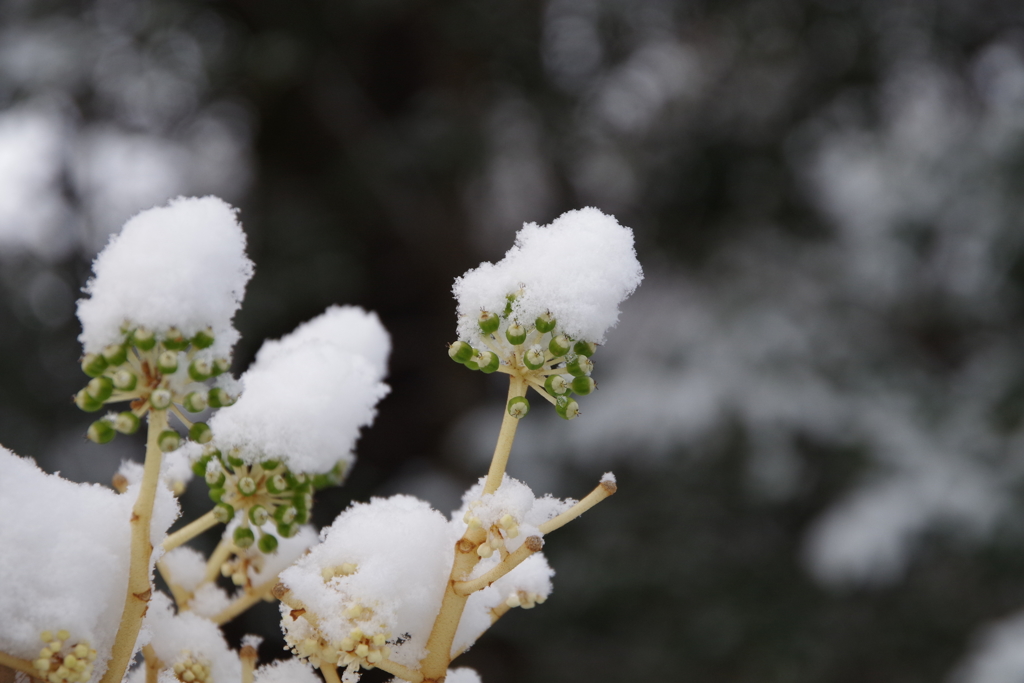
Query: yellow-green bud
x,y
174,340
267,544
143,338
220,366
258,515
127,422
200,369
167,362
583,385
203,339
200,432
559,346
219,398
488,322
195,401
545,322
86,402
515,333
246,486
93,364
223,512
100,388
100,431
215,475
585,348
567,408
115,354
534,357
276,484
285,514
244,537
487,361
556,385
460,352
160,399
518,407
287,530
578,366
125,380
169,440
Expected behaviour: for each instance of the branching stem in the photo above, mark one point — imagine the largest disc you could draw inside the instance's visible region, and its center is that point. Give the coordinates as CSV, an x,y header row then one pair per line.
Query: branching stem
x,y
396,669
603,490
529,547
139,588
152,663
190,531
330,673
18,664
250,598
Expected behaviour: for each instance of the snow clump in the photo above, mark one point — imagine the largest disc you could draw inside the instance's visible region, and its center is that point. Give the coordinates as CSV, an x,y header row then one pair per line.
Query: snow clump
x,y
178,266
578,269
188,642
307,395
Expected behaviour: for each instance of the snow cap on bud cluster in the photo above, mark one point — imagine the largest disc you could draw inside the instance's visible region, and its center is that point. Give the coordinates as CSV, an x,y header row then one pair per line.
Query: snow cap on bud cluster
x,y
190,648
179,266
512,513
373,586
356,330
286,671
65,560
577,270
307,396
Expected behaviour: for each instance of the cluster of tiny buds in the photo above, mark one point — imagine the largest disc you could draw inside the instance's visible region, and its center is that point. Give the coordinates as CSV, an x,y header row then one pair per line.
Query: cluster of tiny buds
x,y
263,492
525,600
237,568
55,666
549,362
190,670
356,648
138,369
507,527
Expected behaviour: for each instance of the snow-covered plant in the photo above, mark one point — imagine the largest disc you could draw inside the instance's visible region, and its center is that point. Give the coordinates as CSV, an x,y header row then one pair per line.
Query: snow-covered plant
x,y
392,583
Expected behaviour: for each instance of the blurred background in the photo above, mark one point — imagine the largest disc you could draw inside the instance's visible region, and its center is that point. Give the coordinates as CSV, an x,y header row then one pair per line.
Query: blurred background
x,y
814,403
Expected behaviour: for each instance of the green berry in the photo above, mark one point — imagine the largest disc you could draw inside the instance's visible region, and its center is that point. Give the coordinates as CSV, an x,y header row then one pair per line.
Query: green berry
x,y
115,354
487,361
509,300
219,398
244,537
515,333
585,348
277,484
556,385
195,401
93,364
169,440
199,466
214,477
285,514
247,486
174,340
287,530
534,357
233,458
518,407
220,366
143,339
578,366
200,432
200,369
203,339
124,379
559,346
167,362
216,494
460,352
223,512
100,431
270,465
567,408
86,402
545,322
127,422
100,388
160,399
267,544
583,385
472,362
258,515
488,322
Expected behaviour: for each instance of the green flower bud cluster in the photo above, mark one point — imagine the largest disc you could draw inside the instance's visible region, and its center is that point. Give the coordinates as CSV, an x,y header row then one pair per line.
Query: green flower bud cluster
x,y
138,369
264,492
61,663
549,361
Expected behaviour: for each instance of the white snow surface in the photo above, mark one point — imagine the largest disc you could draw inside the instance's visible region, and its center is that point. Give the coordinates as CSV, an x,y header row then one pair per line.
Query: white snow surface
x,y
185,567
177,636
579,268
286,671
181,265
350,327
67,554
304,406
402,549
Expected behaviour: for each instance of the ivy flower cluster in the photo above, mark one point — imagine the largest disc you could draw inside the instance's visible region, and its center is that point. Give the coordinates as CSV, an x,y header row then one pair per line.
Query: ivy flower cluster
x,y
391,584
